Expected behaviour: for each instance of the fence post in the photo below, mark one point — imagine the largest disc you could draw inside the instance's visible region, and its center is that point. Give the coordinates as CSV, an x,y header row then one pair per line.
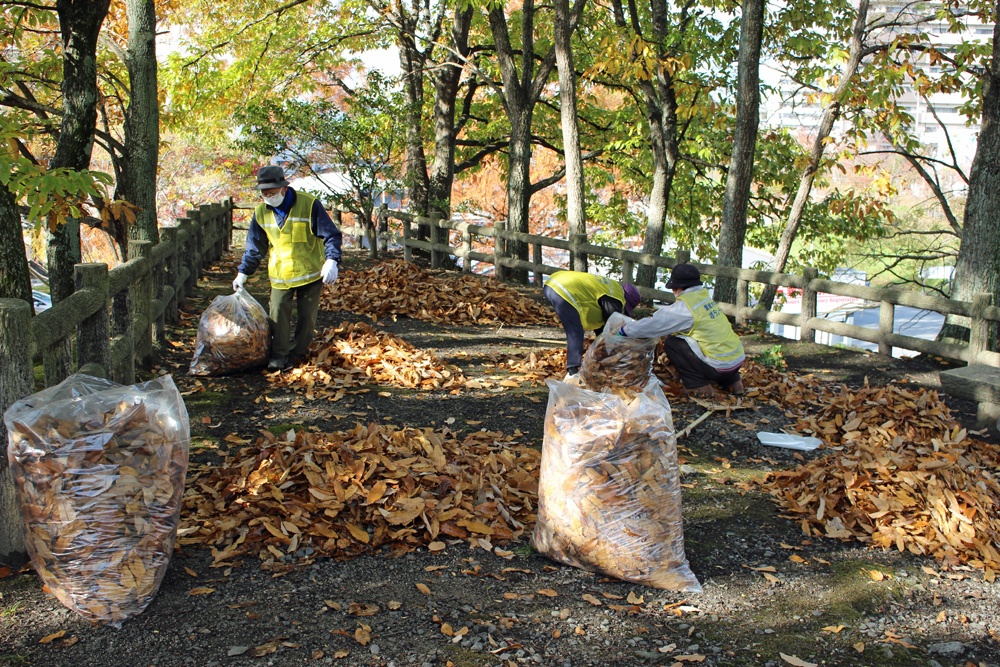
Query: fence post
x,y
536,259
17,380
886,323
466,250
227,222
682,257
93,335
742,301
499,250
407,250
172,269
383,227
197,246
436,255
806,332
142,303
979,327
628,269
186,259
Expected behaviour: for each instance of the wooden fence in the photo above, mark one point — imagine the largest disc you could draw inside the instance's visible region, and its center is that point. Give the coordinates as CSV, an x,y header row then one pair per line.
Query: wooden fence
x,y
982,315
113,317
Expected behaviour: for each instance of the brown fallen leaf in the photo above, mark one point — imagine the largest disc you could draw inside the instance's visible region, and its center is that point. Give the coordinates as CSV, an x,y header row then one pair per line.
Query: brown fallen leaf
x,y
341,653
693,657
834,628
859,647
591,599
770,577
423,589
363,634
635,599
51,638
393,605
796,661
547,592
191,572
201,590
362,609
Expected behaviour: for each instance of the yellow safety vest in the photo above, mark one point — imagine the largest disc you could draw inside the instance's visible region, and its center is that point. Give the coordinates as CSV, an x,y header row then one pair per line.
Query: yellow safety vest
x,y
711,330
296,255
582,290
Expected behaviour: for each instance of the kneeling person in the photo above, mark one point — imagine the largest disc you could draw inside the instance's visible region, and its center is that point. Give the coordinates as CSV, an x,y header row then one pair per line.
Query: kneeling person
x,y
584,301
700,341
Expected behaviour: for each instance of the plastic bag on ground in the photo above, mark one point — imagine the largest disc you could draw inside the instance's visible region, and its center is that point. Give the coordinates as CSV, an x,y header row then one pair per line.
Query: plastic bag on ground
x,y
617,362
99,471
233,335
609,496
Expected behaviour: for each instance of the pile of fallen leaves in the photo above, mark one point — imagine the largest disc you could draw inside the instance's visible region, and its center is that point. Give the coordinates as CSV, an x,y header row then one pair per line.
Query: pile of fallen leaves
x,y
900,473
291,499
535,366
400,288
357,354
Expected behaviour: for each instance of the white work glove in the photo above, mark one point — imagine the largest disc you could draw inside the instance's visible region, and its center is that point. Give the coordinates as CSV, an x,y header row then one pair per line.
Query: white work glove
x,y
573,379
330,271
241,279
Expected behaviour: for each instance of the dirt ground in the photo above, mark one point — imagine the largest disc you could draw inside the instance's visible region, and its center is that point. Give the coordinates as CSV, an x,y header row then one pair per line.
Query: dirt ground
x,y
824,607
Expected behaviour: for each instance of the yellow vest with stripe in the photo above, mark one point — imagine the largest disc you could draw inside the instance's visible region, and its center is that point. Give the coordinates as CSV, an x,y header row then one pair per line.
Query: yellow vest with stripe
x,y
711,330
582,290
296,255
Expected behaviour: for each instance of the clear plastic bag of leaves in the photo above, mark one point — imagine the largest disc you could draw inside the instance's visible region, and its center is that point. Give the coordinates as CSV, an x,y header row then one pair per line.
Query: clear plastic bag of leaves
x,y
98,471
618,362
233,335
609,496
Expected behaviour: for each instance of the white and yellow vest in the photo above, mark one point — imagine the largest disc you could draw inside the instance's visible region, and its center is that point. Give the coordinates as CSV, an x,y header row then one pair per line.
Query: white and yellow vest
x,y
582,290
296,255
711,330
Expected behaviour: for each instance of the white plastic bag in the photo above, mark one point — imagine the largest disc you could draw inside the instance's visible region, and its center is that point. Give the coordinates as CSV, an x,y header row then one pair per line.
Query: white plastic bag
x,y
609,496
99,472
789,441
233,335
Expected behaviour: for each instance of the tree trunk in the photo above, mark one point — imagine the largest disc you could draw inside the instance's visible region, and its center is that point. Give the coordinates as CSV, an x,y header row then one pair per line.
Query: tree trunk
x,y
411,62
142,120
661,115
520,93
978,266
79,24
15,280
737,195
830,115
576,212
446,84
16,382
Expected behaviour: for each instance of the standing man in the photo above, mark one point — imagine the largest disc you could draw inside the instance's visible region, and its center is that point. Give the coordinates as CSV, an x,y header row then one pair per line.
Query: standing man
x,y
585,301
304,253
700,342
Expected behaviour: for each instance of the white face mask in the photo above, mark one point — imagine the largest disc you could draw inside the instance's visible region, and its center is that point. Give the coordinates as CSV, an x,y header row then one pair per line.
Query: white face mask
x,y
275,200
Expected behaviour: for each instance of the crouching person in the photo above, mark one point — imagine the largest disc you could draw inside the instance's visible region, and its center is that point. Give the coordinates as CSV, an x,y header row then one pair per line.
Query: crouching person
x,y
699,340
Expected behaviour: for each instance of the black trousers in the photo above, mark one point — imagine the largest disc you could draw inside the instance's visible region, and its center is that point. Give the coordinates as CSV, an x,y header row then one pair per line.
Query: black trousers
x,y
693,371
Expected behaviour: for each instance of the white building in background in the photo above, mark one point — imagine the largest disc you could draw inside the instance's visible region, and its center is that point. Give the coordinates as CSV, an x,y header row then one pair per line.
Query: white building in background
x,y
789,107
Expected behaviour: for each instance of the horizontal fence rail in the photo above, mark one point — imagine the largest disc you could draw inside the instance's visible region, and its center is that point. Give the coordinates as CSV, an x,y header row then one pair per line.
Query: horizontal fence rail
x,y
982,314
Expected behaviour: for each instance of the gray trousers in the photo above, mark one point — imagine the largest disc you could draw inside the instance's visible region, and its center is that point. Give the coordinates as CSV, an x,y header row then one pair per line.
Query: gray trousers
x,y
306,299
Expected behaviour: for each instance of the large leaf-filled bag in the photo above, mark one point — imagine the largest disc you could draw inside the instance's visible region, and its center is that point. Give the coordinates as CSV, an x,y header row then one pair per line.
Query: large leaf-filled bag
x,y
609,496
618,362
99,471
233,335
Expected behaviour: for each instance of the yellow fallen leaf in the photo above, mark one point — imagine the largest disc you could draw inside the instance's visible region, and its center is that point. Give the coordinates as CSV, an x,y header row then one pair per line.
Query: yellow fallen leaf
x,y
201,590
548,592
834,628
591,599
795,558
447,630
770,577
342,653
875,575
798,662
635,599
423,589
859,647
941,617
51,638
436,546
694,657
393,605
